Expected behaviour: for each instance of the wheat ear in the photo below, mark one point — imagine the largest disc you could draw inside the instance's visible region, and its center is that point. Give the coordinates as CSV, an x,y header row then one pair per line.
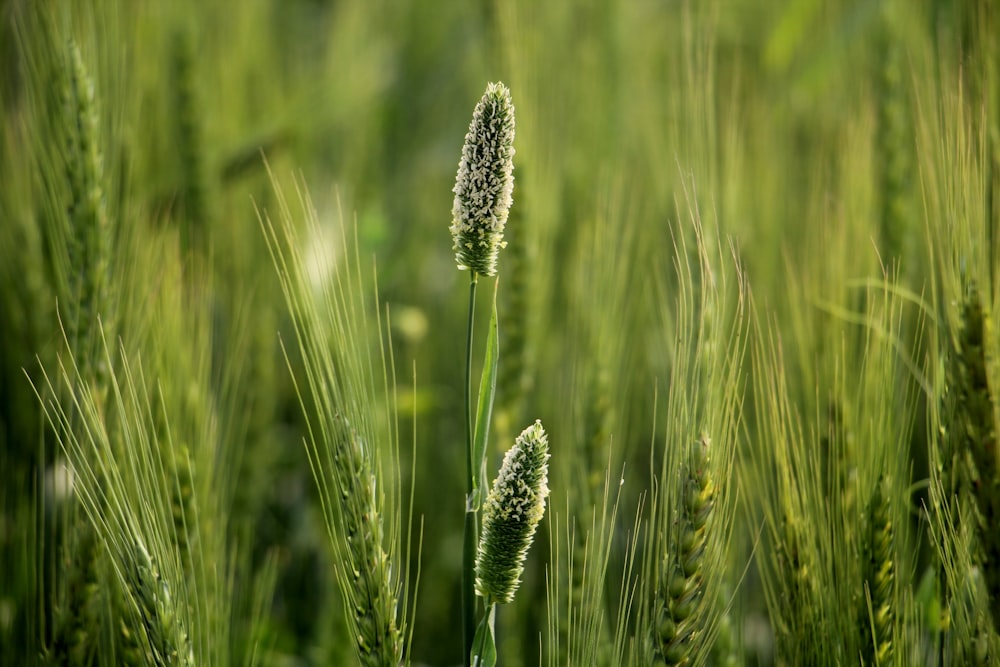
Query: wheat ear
x,y
88,234
345,441
367,573
677,632
88,243
880,581
168,644
190,143
977,424
892,140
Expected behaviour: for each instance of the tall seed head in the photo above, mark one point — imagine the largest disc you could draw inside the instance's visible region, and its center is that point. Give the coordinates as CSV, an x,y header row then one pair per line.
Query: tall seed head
x,y
977,427
89,233
878,614
484,183
681,615
512,511
168,642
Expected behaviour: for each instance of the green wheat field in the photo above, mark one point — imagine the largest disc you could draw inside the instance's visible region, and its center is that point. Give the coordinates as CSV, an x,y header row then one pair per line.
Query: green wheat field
x,y
500,332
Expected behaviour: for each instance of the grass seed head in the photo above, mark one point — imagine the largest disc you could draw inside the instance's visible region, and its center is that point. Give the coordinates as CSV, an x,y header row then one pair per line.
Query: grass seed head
x,y
76,612
370,587
512,512
188,114
88,231
880,580
484,183
678,622
976,424
168,642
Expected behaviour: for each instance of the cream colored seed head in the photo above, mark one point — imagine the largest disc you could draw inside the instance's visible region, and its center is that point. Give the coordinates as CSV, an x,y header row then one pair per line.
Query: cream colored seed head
x,y
485,183
511,513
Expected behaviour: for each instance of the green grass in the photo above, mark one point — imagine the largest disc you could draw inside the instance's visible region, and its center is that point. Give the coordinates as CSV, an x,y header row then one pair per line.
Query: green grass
x,y
233,376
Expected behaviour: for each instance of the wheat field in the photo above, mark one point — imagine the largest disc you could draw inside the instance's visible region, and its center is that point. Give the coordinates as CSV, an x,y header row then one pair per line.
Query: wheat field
x,y
613,332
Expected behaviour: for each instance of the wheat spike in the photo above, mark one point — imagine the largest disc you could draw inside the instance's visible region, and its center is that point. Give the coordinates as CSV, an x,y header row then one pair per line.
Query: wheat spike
x,y
88,234
372,600
167,642
878,618
976,422
678,623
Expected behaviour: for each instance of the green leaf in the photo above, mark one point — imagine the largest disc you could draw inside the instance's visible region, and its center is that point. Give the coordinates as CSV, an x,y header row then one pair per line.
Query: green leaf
x,y
484,411
484,652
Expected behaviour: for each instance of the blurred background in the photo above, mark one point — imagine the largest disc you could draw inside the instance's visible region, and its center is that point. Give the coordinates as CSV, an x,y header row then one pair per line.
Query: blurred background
x,y
805,135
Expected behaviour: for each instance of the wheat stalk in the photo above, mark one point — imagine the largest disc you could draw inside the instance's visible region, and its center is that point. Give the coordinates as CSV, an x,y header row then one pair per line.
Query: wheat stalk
x,y
343,445
88,236
123,494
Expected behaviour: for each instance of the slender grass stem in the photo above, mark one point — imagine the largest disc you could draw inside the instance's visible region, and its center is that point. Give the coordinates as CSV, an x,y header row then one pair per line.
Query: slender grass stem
x,y
471,531
469,431
468,582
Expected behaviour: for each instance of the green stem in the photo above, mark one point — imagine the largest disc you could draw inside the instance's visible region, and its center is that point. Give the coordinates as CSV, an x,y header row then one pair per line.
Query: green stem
x,y
943,608
471,530
469,432
468,585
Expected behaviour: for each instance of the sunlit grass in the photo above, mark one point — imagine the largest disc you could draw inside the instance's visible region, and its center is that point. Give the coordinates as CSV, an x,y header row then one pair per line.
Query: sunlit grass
x,y
767,226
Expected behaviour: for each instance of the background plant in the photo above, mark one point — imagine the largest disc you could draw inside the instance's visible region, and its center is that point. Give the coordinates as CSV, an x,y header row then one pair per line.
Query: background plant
x,y
770,223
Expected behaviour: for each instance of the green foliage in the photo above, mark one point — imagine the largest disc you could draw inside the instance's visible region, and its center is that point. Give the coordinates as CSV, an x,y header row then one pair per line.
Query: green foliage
x,y
771,226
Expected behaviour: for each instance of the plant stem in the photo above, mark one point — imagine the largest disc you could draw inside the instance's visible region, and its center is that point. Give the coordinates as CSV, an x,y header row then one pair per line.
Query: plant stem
x,y
469,432
471,536
468,584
